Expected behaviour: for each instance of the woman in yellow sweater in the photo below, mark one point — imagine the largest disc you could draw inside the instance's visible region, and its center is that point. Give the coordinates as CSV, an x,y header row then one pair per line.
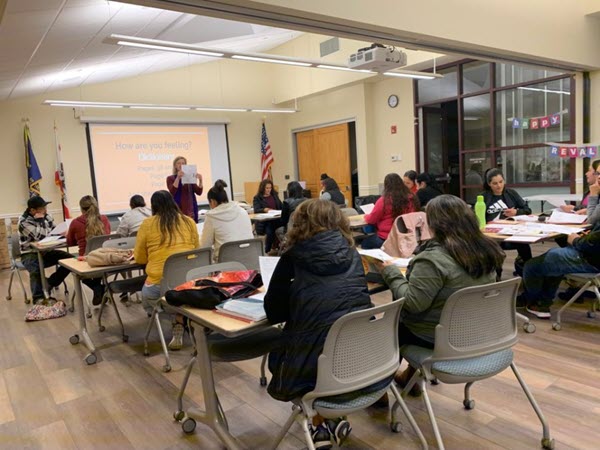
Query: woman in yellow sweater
x,y
168,231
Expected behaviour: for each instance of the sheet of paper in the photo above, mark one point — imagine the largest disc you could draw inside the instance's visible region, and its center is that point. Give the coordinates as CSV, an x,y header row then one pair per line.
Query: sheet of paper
x,y
523,218
528,239
377,254
563,217
267,267
62,227
189,174
259,296
200,227
273,212
368,208
51,239
401,262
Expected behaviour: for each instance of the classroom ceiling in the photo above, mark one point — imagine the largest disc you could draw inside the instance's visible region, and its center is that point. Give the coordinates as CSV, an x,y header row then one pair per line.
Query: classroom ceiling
x,y
48,45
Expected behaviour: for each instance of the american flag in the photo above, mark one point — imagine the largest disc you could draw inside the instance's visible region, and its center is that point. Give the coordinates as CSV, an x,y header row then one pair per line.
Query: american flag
x,y
266,157
59,177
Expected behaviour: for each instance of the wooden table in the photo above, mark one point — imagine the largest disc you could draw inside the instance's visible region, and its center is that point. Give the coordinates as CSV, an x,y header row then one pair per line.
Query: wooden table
x,y
40,249
263,217
357,221
82,270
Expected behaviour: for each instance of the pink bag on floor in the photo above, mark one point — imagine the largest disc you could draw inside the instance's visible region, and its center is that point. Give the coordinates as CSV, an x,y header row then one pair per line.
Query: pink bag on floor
x,y
43,312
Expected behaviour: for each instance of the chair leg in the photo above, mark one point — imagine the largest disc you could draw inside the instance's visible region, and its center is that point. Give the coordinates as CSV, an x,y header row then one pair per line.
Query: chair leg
x,y
163,343
400,403
468,402
547,442
556,325
307,437
116,308
263,376
105,298
148,330
12,275
286,427
434,425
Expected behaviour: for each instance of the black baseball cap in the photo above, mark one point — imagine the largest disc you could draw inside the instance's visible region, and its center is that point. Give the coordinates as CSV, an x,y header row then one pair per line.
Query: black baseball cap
x,y
36,202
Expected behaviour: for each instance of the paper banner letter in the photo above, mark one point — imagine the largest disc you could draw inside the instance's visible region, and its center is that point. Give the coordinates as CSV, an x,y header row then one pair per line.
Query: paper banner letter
x,y
525,124
534,124
592,151
563,152
516,123
582,152
544,122
553,151
555,119
572,152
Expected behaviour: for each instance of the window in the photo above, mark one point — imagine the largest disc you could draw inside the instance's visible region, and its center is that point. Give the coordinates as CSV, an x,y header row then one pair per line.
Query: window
x,y
476,122
476,77
438,88
533,165
507,74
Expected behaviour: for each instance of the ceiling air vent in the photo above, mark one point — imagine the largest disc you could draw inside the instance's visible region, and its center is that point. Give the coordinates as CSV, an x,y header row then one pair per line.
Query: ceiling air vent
x,y
329,46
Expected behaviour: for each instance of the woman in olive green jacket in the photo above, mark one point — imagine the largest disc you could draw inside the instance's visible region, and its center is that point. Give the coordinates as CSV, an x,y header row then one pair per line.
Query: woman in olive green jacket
x,y
457,256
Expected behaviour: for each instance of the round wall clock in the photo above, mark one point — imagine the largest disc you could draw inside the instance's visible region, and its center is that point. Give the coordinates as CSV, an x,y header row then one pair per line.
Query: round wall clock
x,y
392,101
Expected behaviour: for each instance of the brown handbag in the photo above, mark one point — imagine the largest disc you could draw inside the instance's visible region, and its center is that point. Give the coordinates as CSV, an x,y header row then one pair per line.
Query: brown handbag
x,y
406,234
108,257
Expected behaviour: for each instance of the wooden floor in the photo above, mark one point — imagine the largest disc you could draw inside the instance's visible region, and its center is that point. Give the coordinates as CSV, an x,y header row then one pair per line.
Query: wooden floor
x,y
49,398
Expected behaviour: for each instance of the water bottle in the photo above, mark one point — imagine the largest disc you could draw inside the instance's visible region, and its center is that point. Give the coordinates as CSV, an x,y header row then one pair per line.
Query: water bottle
x,y
480,211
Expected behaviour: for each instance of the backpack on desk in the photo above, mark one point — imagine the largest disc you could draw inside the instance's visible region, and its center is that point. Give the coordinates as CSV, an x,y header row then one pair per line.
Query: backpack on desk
x,y
408,231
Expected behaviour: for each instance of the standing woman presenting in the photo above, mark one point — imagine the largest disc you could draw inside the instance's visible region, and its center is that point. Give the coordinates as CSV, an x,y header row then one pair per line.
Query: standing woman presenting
x,y
184,194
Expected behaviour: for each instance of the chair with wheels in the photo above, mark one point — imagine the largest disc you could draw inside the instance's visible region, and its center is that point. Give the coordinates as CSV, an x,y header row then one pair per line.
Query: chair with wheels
x,y
357,366
473,341
126,285
16,266
245,251
590,282
175,273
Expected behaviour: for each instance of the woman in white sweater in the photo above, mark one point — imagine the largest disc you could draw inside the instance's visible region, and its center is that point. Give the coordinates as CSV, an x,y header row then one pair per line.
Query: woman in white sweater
x,y
225,222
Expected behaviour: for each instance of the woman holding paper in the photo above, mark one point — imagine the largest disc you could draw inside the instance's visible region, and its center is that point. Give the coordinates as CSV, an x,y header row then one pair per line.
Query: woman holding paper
x,y
184,193
395,201
457,256
504,203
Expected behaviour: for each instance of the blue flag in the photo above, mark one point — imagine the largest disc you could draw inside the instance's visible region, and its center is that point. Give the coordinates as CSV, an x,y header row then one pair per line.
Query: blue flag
x,y
34,175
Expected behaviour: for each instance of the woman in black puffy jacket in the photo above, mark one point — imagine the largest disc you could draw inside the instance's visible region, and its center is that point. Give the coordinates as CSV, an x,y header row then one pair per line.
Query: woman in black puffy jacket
x,y
317,280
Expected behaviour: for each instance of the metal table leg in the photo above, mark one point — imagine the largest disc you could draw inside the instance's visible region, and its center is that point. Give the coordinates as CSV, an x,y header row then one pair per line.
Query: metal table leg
x,y
91,357
212,416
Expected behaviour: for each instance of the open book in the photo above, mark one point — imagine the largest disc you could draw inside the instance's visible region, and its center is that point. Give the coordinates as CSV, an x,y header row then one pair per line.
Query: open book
x,y
377,256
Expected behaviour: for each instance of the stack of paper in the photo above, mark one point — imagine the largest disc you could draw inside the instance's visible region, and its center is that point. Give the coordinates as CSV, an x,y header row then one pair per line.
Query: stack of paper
x,y
248,309
562,217
368,208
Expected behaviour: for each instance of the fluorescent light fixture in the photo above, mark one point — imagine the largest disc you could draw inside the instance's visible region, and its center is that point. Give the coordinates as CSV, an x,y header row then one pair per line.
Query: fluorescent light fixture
x,y
218,108
170,49
544,90
273,110
414,75
272,60
84,104
348,69
159,107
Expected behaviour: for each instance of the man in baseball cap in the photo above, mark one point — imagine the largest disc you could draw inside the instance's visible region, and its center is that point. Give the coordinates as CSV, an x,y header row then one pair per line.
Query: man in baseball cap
x,y
34,225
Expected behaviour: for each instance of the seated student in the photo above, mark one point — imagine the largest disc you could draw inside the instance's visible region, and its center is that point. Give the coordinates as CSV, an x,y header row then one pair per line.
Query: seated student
x,y
331,191
318,279
591,177
410,181
295,197
503,203
457,256
34,225
89,224
168,231
324,176
428,188
265,200
225,221
132,219
542,275
395,201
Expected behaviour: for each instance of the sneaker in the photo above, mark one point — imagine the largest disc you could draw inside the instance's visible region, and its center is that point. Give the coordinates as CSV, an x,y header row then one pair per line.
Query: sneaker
x,y
177,340
321,437
339,429
541,312
98,294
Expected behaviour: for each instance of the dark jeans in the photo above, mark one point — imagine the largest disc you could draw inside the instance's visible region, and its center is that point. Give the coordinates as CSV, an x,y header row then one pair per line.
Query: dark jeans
x,y
542,275
406,337
270,227
372,241
51,258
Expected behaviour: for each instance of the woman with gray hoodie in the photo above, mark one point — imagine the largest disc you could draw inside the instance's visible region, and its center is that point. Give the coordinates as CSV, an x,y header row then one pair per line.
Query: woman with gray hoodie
x,y
132,219
225,221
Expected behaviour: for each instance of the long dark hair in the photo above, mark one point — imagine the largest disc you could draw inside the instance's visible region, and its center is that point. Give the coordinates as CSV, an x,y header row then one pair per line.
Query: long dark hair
x,y
487,177
428,179
218,193
455,227
329,184
263,185
397,194
411,175
170,218
294,190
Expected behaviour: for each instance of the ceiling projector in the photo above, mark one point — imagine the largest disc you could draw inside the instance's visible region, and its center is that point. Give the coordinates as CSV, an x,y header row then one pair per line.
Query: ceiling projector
x,y
378,58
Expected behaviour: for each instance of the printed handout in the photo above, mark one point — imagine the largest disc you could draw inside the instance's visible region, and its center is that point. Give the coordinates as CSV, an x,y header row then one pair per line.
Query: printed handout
x,y
189,174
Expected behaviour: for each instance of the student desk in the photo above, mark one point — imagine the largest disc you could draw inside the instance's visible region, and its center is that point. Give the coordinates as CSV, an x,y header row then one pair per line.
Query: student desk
x,y
263,217
229,327
357,221
82,270
40,249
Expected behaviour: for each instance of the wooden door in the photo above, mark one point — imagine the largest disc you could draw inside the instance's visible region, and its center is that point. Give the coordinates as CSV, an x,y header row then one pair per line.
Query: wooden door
x,y
325,150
